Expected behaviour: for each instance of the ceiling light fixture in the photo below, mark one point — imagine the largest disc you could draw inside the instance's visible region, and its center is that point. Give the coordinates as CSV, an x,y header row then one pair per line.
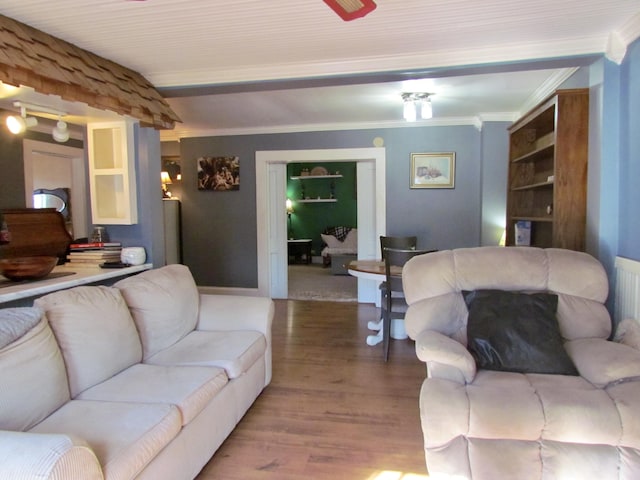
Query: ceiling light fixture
x,y
60,132
19,123
411,102
351,9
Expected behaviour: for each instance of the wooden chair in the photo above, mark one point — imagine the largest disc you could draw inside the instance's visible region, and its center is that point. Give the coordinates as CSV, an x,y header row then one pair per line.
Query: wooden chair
x,y
393,303
402,243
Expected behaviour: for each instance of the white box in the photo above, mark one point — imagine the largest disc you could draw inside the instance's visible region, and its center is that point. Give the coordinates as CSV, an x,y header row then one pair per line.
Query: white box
x,y
523,233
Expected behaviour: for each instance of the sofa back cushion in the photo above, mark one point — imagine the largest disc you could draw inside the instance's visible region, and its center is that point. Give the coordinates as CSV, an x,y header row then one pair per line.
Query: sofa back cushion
x,y
33,380
164,303
95,332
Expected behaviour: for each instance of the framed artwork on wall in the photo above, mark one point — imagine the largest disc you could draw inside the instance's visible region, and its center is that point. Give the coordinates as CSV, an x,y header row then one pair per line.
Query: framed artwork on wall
x,y
218,173
433,170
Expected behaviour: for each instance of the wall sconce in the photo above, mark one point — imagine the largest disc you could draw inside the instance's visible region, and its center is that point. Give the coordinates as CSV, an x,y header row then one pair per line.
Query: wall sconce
x,y
165,179
351,9
289,206
410,106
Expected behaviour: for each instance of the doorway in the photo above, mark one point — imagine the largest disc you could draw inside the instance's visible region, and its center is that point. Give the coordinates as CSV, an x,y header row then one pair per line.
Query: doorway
x,y
272,220
51,166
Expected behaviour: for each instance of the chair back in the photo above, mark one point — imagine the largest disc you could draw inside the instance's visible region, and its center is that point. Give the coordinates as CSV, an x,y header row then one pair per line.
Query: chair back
x,y
400,243
395,257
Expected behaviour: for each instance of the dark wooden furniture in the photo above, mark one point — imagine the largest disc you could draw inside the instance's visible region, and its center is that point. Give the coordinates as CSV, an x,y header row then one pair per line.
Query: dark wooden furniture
x,y
299,249
547,184
35,231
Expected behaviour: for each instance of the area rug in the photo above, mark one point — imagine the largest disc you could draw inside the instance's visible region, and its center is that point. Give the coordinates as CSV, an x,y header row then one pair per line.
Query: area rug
x,y
315,282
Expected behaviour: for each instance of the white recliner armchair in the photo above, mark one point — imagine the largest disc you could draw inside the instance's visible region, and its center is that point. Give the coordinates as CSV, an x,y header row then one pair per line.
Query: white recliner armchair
x,y
486,410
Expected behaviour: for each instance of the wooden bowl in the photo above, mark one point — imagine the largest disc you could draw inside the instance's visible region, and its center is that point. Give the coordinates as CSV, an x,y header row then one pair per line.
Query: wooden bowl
x,y
27,268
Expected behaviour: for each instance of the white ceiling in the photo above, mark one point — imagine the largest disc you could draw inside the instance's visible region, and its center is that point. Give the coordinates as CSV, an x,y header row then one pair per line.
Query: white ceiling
x,y
211,58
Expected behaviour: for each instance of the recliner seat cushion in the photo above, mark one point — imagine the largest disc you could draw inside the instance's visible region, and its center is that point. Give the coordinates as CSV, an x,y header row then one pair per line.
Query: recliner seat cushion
x,y
95,332
164,303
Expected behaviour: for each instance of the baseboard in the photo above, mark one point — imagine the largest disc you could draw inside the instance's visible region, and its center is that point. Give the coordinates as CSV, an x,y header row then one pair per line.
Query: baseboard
x,y
246,292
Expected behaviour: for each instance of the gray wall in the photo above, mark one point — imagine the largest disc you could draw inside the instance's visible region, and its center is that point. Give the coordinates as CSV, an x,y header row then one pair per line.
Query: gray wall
x,y
219,228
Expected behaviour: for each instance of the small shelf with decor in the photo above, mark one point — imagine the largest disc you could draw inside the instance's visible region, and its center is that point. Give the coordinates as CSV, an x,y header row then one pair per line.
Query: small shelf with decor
x,y
317,200
309,177
547,183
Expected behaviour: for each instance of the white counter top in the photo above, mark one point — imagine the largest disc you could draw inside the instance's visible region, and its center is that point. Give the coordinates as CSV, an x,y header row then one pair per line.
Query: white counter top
x,y
72,276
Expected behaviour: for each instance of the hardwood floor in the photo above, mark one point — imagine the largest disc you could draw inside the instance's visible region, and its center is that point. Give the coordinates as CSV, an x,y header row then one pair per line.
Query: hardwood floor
x,y
334,409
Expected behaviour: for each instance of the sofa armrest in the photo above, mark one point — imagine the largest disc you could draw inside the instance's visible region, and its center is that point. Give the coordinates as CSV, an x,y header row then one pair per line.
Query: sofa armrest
x,y
628,333
602,362
38,456
445,357
234,312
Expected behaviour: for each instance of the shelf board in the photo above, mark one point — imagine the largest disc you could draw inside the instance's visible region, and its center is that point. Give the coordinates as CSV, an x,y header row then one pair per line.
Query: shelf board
x,y
548,219
317,200
532,186
538,154
306,177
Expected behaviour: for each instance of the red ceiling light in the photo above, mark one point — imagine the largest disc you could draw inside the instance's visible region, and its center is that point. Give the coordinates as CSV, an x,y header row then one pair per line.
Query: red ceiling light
x,y
351,9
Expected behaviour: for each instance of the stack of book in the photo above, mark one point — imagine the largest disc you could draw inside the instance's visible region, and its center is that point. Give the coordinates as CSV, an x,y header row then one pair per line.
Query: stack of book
x,y
94,253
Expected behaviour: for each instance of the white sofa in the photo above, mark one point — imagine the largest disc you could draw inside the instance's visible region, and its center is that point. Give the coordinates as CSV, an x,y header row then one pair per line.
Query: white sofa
x,y
504,423
141,380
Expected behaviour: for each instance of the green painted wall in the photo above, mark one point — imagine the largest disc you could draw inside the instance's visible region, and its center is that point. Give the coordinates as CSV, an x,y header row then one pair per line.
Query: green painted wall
x,y
310,219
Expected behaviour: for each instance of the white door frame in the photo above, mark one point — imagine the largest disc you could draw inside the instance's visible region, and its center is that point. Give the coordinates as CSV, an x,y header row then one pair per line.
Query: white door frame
x,y
33,148
271,220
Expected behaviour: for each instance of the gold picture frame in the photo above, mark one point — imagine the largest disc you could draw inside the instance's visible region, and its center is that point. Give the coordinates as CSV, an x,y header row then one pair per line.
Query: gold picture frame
x,y
433,170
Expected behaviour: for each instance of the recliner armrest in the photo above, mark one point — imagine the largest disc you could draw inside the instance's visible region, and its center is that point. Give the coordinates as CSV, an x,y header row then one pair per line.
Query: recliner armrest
x,y
38,456
602,362
445,357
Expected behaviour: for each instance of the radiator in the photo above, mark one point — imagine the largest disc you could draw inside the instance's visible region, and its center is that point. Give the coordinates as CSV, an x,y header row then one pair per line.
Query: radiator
x,y
627,288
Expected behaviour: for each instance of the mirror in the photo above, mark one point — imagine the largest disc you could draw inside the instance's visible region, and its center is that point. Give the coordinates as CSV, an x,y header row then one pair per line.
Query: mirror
x,y
57,198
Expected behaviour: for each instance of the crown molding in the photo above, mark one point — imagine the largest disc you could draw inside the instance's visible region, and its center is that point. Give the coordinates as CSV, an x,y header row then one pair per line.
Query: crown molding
x,y
413,62
620,39
475,121
546,89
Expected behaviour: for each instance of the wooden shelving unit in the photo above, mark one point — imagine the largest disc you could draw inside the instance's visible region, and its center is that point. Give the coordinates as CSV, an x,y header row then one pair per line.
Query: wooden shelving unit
x,y
547,184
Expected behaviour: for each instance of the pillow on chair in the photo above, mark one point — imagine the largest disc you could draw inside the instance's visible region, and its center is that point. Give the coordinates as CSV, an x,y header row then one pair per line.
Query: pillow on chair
x,y
516,332
331,241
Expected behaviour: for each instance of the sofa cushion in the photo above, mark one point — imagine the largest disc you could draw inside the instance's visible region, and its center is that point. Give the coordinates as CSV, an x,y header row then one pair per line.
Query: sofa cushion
x,y
33,380
164,305
516,332
188,388
95,332
124,436
235,351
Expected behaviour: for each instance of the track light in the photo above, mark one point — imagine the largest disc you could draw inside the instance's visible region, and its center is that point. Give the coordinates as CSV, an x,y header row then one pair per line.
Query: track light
x,y
19,123
60,132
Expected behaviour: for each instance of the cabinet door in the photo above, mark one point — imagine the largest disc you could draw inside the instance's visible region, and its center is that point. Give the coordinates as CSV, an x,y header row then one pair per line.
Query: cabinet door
x,y
112,173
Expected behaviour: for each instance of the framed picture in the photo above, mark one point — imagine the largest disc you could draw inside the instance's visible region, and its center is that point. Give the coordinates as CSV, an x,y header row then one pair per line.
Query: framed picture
x,y
433,170
218,173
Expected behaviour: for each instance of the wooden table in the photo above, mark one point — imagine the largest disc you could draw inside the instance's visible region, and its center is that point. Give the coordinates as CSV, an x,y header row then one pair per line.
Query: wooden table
x,y
298,248
375,270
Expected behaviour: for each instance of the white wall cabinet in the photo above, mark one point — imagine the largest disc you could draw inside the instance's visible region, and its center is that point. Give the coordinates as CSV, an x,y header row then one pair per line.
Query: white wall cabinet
x,y
112,173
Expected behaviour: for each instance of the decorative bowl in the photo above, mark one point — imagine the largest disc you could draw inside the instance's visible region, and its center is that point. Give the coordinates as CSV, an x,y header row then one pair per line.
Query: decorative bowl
x,y
27,268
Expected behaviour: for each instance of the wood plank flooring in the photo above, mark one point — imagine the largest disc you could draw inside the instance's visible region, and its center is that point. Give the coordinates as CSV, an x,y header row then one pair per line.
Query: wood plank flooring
x,y
334,409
